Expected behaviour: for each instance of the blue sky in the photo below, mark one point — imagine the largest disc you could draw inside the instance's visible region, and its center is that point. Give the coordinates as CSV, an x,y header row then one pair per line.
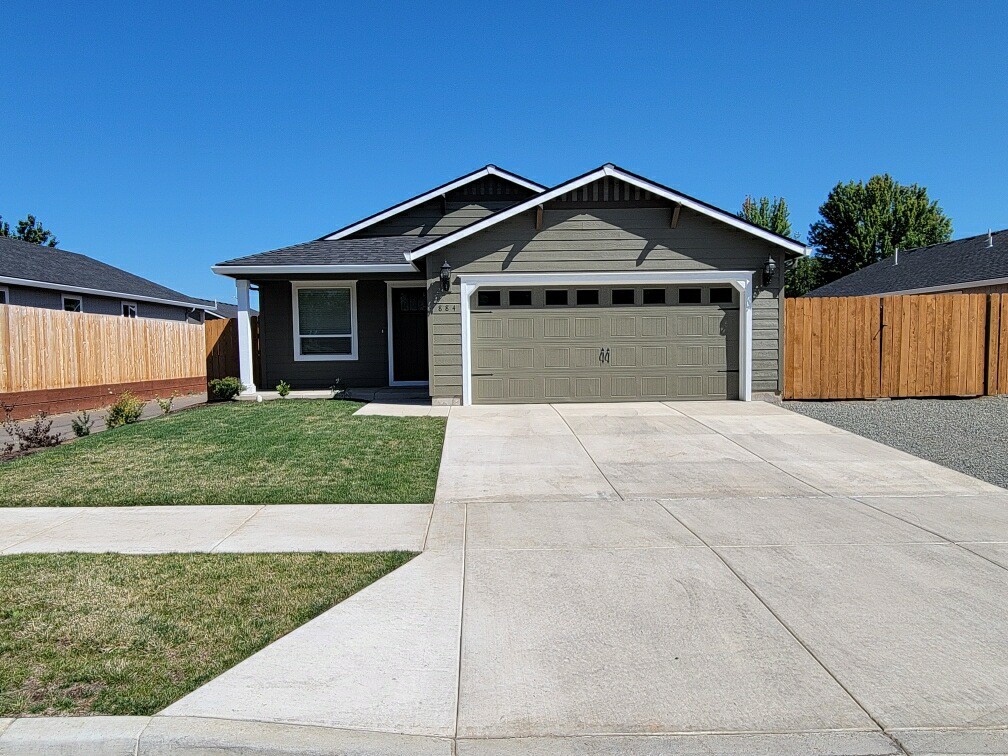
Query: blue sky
x,y
166,138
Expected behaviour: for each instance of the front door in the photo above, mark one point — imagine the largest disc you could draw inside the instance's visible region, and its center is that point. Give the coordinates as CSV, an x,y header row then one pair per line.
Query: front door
x,y
409,334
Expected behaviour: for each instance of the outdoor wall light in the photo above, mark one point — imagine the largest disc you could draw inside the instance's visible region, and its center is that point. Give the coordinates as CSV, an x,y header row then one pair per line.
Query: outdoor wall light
x,y
768,271
445,277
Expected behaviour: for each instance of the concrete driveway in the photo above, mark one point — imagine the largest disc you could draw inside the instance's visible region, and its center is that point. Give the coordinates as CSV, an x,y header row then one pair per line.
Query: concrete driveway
x,y
647,578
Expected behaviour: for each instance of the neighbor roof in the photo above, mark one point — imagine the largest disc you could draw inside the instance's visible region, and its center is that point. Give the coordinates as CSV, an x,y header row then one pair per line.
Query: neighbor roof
x,y
940,267
25,264
224,310
374,251
610,170
487,170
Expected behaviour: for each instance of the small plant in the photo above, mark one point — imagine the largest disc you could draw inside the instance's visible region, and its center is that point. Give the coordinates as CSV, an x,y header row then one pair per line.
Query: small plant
x,y
165,404
82,424
283,388
226,388
38,435
125,411
337,392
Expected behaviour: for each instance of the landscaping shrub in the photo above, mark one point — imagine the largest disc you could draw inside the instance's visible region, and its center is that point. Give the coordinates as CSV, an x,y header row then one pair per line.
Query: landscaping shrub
x,y
283,388
38,435
124,412
226,388
165,404
82,424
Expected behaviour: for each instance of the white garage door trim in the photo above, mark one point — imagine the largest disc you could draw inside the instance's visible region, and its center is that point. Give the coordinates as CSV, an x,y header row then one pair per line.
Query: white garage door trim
x,y
740,279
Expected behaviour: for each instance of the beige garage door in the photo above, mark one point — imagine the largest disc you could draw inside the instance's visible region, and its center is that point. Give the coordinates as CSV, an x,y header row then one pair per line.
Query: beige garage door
x,y
604,344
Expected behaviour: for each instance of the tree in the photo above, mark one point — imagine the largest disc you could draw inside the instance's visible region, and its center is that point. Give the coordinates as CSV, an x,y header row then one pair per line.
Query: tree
x,y
863,223
30,230
801,275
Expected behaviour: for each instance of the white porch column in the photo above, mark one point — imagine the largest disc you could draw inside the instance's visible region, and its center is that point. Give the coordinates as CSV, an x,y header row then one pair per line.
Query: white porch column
x,y
745,340
244,338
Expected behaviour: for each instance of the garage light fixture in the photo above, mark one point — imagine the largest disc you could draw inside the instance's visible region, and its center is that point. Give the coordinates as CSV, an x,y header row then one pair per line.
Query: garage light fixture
x,y
768,271
445,277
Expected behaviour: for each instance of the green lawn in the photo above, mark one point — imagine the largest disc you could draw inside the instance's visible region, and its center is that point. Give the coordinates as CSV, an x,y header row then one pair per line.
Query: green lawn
x,y
279,452
124,634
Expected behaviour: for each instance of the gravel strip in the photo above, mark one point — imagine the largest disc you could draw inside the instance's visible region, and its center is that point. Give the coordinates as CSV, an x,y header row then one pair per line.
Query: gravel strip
x,y
969,435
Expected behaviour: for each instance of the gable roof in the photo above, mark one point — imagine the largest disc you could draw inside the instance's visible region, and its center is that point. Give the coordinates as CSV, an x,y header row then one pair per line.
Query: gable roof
x,y
25,264
610,170
224,310
386,253
939,267
487,170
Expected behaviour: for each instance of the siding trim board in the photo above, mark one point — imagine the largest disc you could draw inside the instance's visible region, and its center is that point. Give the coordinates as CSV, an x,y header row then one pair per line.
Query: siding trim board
x,y
740,280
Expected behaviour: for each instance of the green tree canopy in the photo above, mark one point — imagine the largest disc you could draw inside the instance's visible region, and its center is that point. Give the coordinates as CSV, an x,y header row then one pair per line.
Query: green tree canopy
x,y
30,230
771,214
863,223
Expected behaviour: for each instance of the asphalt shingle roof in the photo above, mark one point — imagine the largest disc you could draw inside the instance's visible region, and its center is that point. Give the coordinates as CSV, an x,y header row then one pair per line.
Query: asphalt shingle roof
x,y
378,250
950,264
32,262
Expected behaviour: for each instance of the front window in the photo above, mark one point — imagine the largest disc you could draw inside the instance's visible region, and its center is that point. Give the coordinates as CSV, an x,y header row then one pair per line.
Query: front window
x,y
325,321
72,304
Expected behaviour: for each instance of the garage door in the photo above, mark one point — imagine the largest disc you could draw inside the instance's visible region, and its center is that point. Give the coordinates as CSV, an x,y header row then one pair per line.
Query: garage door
x,y
604,344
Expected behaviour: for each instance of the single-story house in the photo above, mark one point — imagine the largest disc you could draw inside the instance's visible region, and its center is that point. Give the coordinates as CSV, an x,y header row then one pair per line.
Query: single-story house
x,y
975,265
495,289
32,275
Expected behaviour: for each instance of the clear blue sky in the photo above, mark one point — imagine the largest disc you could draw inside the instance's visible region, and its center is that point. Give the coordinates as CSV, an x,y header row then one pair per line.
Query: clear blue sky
x,y
166,139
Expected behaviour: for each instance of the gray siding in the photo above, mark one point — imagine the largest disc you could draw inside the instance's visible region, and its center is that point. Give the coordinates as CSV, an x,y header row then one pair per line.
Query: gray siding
x,y
596,235
29,296
276,340
463,206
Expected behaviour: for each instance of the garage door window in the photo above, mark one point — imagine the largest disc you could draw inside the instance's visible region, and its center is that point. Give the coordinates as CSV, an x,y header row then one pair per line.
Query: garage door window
x,y
520,298
623,296
653,296
488,299
721,295
689,296
325,322
556,297
587,296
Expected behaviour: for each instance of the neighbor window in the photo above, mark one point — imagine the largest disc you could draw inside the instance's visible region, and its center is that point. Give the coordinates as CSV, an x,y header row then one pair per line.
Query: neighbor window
x,y
488,298
4,296
556,297
129,309
325,321
689,296
520,298
72,304
587,296
653,296
721,295
623,296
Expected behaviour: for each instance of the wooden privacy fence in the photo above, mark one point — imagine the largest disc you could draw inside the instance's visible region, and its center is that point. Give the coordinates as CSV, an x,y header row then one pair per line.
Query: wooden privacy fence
x,y
222,348
57,361
896,346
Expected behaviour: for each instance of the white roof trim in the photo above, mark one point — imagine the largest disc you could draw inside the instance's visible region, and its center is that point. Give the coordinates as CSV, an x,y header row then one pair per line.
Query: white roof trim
x,y
235,270
489,170
609,170
940,288
99,292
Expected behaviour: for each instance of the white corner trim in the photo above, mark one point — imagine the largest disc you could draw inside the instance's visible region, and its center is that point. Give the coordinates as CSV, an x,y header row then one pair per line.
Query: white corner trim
x,y
389,286
613,172
742,280
75,297
489,170
98,292
245,270
297,286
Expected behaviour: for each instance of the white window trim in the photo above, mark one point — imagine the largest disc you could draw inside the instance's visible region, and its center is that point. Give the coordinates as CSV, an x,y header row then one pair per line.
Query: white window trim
x,y
65,297
742,280
389,286
6,295
124,303
296,286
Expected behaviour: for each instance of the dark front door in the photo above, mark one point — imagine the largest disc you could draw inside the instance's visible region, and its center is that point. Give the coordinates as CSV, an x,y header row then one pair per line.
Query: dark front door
x,y
409,334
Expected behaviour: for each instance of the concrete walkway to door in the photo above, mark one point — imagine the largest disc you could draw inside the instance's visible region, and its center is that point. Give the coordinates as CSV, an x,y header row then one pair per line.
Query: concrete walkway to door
x,y
652,578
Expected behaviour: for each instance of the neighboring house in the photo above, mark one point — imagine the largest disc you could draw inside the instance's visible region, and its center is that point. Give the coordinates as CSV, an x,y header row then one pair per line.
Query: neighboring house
x,y
975,265
494,289
36,276
223,310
